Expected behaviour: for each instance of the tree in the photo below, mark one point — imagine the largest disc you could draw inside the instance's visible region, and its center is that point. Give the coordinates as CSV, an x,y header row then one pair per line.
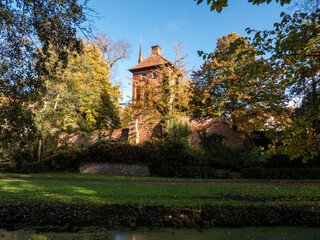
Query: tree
x,y
111,51
219,4
126,115
235,85
25,26
294,46
80,98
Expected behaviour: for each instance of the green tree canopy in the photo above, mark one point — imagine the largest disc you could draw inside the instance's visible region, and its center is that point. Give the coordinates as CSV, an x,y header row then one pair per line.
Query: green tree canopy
x,y
26,25
294,46
79,99
233,84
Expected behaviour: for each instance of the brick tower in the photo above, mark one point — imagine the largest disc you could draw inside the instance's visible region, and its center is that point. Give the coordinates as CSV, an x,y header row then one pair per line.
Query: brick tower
x,y
149,69
148,72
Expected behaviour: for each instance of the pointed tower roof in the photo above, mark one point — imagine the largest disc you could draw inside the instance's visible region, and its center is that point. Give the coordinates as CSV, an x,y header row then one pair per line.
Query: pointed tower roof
x,y
154,60
140,54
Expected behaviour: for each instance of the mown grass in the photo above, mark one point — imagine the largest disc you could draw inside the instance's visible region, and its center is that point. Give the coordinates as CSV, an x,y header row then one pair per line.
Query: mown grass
x,y
87,193
102,177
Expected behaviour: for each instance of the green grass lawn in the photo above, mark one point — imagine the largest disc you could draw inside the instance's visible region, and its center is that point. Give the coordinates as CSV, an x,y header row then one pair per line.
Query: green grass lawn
x,y
12,190
102,177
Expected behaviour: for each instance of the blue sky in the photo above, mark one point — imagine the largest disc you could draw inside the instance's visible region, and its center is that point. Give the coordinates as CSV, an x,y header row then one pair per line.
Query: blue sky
x,y
167,21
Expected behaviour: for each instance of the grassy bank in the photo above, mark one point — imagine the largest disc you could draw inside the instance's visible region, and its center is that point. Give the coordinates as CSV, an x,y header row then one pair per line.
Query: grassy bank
x,y
138,194
78,204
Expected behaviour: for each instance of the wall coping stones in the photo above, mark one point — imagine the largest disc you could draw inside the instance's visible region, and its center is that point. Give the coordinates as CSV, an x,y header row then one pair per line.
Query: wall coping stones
x,y
116,169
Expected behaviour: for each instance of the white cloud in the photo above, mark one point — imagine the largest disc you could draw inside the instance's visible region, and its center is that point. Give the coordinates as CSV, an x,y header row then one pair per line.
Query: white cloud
x,y
175,26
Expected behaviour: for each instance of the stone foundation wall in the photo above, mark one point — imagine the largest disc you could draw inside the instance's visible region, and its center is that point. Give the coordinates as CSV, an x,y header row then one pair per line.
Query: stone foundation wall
x,y
116,169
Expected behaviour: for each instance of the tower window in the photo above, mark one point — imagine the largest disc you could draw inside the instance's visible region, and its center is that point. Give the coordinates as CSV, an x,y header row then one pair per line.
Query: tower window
x,y
154,75
144,76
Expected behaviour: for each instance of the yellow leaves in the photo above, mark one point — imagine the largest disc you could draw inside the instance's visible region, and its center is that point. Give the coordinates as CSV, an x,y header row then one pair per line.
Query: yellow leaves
x,y
81,86
69,122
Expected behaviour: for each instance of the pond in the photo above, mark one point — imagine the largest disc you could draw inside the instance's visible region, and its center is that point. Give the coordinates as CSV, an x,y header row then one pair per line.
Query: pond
x,y
261,233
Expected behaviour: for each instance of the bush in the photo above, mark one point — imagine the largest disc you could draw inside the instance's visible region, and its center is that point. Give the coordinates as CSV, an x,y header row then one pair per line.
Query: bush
x,y
7,166
186,172
172,153
220,156
115,153
177,130
281,173
104,151
35,167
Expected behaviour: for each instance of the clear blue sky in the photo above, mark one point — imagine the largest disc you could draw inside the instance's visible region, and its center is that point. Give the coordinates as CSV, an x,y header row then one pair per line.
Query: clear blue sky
x,y
167,21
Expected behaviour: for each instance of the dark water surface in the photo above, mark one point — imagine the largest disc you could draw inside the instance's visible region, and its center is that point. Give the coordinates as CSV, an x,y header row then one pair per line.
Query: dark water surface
x,y
260,233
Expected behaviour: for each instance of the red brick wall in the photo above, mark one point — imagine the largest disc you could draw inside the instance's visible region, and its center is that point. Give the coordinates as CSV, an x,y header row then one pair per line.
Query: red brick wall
x,y
147,124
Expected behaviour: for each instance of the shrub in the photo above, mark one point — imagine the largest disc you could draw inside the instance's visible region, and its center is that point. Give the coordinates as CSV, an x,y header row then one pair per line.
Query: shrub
x,y
35,167
255,157
220,156
104,151
7,166
172,153
177,130
186,172
281,173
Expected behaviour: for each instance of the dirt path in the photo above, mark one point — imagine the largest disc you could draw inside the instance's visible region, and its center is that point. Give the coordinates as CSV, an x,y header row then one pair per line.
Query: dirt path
x,y
273,184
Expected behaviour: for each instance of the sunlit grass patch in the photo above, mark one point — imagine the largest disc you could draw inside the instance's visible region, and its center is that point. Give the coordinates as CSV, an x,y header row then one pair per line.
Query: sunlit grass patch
x,y
102,177
137,194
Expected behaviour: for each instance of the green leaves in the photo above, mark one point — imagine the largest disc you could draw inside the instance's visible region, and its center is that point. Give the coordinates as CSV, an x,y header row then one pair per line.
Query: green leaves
x,y
282,2
293,46
215,4
218,5
27,26
232,84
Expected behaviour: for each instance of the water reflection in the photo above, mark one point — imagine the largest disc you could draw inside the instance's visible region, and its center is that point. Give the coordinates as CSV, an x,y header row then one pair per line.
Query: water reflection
x,y
261,233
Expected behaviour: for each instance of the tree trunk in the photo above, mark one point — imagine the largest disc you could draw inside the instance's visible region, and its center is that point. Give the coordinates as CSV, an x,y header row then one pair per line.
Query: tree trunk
x,y
56,103
39,149
137,131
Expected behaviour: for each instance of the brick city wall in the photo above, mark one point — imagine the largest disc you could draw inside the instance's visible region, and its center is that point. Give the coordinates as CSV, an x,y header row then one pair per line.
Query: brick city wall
x,y
144,127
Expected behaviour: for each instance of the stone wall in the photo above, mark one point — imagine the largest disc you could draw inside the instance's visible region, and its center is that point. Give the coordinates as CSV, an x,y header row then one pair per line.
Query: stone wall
x,y
144,127
232,139
116,169
149,127
81,139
